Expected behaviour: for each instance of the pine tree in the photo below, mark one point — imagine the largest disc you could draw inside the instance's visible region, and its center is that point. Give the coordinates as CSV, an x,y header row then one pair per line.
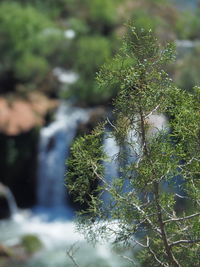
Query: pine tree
x,y
154,203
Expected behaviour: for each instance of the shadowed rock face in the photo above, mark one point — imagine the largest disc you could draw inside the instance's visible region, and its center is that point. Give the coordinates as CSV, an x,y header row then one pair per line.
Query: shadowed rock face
x,y
4,205
18,165
4,210
19,115
19,119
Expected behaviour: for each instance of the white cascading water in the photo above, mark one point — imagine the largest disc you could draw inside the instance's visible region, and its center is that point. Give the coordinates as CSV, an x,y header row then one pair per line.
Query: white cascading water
x,y
111,167
111,149
54,147
11,202
184,47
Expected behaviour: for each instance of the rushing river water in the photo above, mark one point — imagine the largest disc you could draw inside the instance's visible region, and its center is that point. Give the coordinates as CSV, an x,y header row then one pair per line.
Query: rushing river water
x,y
51,220
57,237
54,147
185,4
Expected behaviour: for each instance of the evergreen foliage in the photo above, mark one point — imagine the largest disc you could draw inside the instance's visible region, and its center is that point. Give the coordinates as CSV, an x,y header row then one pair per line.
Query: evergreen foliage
x,y
154,203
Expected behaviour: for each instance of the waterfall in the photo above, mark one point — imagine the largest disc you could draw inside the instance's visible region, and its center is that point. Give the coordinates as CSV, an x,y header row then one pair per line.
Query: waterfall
x,y
11,202
112,165
55,141
186,4
184,47
9,206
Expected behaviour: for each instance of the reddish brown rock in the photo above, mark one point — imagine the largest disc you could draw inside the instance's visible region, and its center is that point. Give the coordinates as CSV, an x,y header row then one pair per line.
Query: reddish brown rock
x,y
19,115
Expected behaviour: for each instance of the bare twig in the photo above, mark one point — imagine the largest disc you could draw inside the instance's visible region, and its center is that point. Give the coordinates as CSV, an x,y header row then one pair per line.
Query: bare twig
x,y
111,124
156,258
109,187
182,218
152,111
128,259
71,252
185,242
140,244
154,255
167,246
178,195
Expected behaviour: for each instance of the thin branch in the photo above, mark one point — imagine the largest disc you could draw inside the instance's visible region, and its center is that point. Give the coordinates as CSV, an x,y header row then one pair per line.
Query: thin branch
x,y
140,244
152,111
128,259
159,179
176,243
182,218
167,247
156,258
70,253
178,195
109,187
181,166
111,124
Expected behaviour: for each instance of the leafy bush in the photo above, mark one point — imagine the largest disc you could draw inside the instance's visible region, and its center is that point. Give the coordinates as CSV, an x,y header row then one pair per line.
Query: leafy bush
x,y
187,70
53,8
102,11
91,53
159,16
143,19
25,44
188,25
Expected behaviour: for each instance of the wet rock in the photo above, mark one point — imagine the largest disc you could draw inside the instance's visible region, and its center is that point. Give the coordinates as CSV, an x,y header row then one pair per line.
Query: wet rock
x,y
5,252
20,253
31,243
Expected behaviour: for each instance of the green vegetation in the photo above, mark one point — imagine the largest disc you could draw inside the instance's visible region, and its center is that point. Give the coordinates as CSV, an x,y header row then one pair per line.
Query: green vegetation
x,y
92,52
25,46
31,243
33,41
147,207
187,25
187,69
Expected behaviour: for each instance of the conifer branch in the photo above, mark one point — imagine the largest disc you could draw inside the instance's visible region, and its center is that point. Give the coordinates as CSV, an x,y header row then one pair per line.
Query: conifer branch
x,y
182,218
193,241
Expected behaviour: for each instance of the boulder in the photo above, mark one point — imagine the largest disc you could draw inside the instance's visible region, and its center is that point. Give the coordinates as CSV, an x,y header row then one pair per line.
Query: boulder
x,y
19,115
5,252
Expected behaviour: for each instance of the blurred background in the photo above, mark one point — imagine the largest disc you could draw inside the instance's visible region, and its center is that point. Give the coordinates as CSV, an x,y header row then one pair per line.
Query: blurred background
x,y
50,52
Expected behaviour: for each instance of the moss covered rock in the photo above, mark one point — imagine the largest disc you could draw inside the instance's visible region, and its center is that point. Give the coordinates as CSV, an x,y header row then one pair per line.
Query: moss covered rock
x,y
31,243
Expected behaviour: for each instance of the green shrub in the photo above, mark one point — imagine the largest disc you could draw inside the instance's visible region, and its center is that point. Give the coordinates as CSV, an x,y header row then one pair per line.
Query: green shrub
x,y
25,44
143,19
188,25
91,53
187,70
51,7
78,25
102,11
